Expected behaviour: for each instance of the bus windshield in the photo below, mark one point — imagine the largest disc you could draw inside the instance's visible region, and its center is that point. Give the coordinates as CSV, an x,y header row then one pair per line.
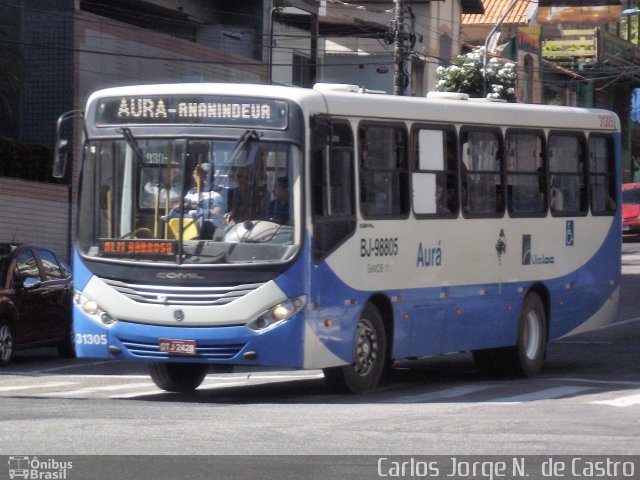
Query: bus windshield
x,y
192,201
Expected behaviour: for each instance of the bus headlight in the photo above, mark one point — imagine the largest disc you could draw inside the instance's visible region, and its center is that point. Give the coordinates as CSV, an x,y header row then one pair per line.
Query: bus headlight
x,y
278,313
92,309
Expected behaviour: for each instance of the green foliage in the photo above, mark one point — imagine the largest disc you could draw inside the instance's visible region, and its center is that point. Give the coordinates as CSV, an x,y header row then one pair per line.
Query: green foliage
x,y
465,76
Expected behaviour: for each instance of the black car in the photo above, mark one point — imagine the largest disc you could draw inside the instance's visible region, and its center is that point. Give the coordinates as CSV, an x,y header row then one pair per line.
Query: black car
x,y
35,301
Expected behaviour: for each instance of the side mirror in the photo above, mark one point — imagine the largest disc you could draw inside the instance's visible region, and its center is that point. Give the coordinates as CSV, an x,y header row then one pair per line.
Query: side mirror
x,y
28,283
60,156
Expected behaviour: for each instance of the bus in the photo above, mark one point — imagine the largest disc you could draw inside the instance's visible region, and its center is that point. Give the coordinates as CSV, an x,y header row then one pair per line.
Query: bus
x,y
406,227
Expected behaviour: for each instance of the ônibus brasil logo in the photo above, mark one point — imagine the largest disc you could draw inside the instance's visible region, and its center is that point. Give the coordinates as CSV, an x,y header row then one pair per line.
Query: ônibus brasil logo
x,y
32,468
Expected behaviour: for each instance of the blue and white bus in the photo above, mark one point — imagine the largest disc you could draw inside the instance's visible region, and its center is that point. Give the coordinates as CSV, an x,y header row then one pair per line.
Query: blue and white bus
x,y
350,229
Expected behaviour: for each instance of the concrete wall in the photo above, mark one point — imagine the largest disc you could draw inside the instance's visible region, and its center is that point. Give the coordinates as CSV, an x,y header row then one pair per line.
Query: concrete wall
x,y
34,212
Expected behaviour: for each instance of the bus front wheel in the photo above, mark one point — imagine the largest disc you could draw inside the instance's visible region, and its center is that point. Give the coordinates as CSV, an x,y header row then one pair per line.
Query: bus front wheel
x,y
178,377
369,356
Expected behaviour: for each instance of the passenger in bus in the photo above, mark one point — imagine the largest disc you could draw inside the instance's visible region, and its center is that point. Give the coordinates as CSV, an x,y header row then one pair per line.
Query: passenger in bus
x,y
169,182
202,202
206,202
441,199
556,201
249,198
279,206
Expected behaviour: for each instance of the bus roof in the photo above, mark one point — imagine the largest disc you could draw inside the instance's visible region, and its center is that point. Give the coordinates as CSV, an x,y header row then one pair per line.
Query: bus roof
x,y
350,101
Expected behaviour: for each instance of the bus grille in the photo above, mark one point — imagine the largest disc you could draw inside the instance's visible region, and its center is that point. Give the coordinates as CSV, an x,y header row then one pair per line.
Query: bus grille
x,y
174,295
213,352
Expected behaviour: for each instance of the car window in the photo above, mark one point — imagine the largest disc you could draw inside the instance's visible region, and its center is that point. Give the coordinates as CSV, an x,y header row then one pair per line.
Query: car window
x,y
66,269
26,266
631,196
4,264
49,264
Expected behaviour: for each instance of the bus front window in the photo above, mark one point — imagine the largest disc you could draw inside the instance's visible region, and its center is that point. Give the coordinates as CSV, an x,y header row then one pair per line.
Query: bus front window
x,y
189,201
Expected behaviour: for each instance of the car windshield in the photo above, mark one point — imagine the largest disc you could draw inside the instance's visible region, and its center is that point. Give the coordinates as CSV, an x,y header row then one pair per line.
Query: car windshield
x,y
195,201
631,196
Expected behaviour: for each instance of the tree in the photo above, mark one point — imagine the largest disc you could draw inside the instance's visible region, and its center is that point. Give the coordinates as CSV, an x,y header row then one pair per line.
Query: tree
x,y
465,76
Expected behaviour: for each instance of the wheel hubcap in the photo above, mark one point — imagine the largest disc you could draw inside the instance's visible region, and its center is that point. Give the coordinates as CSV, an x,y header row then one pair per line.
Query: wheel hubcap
x,y
366,348
6,343
532,335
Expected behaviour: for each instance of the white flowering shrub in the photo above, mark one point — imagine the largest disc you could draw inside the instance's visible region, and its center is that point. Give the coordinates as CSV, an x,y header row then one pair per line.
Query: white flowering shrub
x,y
465,76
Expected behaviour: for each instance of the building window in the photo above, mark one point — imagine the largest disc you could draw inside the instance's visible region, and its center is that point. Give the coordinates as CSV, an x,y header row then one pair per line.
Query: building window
x,y
301,71
444,50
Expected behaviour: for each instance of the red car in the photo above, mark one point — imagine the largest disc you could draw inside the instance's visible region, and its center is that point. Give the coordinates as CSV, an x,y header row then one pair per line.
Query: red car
x,y
631,211
35,301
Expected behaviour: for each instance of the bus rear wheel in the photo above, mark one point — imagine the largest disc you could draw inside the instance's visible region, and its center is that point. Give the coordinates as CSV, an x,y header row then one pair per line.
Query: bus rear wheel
x,y
526,357
528,354
178,377
369,356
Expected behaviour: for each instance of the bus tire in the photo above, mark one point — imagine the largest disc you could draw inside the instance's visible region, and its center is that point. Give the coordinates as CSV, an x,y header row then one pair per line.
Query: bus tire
x,y
369,356
178,377
526,357
529,353
6,343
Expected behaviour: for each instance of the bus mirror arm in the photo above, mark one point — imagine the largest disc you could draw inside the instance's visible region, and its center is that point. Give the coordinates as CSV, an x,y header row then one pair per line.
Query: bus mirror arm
x,y
61,152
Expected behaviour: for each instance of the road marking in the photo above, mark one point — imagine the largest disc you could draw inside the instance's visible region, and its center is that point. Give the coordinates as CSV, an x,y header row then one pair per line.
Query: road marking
x,y
41,385
447,393
598,382
145,393
75,365
108,388
546,394
626,401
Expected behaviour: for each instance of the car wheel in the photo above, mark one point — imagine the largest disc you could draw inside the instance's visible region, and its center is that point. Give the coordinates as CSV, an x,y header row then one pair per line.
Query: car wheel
x,y
6,343
369,356
67,347
178,377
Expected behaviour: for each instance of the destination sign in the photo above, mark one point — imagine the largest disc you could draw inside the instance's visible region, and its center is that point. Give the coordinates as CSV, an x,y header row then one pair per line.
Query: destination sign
x,y
136,248
200,110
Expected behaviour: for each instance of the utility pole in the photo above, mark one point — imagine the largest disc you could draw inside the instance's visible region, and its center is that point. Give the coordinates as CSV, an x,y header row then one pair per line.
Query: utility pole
x,y
401,52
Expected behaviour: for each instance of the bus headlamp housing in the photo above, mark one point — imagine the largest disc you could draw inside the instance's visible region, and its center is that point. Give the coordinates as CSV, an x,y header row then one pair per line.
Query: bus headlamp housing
x,y
93,310
278,313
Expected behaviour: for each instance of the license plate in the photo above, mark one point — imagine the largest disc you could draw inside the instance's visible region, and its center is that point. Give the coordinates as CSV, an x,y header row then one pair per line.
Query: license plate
x,y
182,347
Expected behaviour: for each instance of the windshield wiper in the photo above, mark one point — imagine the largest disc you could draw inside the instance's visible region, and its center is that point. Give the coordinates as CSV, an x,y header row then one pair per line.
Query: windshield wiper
x,y
249,135
132,142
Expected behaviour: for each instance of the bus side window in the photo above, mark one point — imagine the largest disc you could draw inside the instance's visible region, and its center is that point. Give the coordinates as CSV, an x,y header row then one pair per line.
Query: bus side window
x,y
602,180
567,189
434,177
482,188
332,170
384,174
526,173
